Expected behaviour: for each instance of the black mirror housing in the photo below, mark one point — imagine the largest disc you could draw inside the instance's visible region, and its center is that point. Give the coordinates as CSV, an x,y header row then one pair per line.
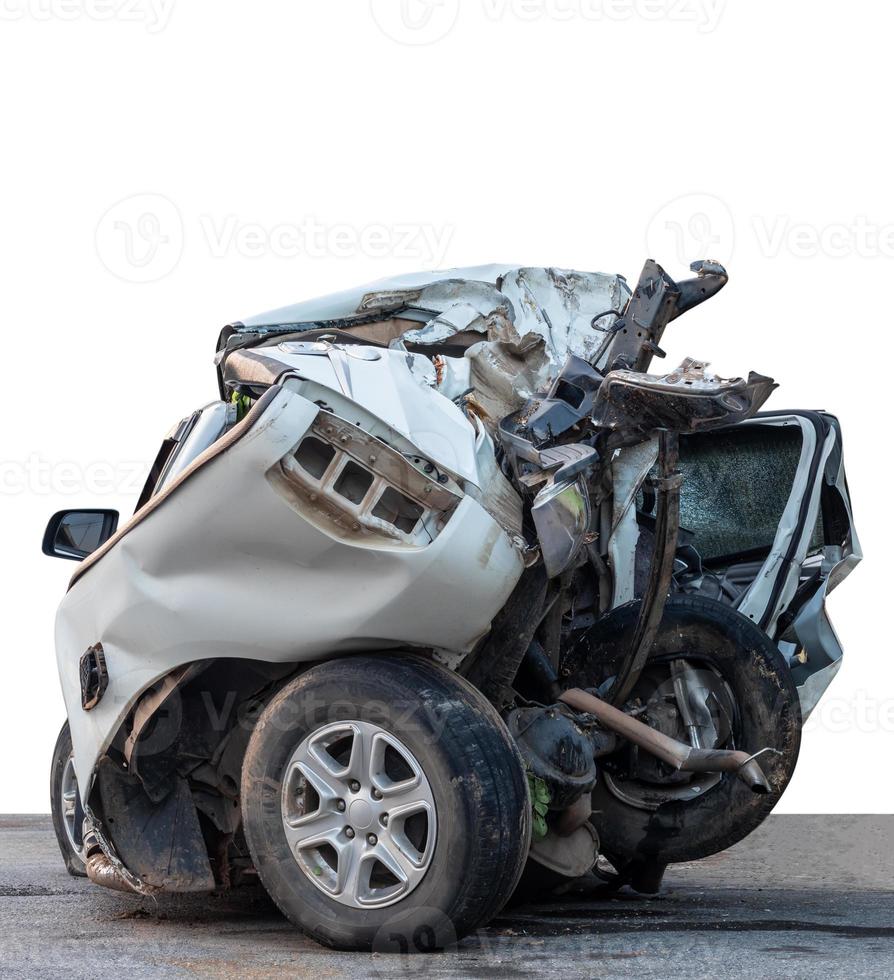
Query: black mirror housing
x,y
75,534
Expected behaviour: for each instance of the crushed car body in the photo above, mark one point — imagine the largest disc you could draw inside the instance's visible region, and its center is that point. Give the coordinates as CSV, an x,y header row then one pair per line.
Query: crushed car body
x,y
548,604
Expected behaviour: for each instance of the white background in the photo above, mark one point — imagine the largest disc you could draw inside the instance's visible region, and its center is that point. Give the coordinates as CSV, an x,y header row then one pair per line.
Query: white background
x,y
168,168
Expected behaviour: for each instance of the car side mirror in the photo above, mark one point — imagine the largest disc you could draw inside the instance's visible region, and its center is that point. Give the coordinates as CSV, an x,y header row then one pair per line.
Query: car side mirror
x,y
75,534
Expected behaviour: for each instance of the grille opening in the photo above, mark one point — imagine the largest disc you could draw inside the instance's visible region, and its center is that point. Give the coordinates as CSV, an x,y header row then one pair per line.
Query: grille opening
x,y
353,483
398,510
314,456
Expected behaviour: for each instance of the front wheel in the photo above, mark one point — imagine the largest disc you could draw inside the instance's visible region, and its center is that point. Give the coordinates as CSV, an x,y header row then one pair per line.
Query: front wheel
x,y
65,805
385,805
715,680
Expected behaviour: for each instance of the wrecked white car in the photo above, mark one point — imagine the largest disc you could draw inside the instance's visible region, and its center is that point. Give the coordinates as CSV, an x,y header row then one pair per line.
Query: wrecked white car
x,y
448,598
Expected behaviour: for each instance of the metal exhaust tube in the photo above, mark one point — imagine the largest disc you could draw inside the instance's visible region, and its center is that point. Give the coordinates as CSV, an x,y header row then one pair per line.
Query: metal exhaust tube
x,y
675,753
103,870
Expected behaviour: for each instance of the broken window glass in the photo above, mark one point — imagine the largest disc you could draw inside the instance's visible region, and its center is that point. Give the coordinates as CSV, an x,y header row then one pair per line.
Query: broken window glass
x,y
736,485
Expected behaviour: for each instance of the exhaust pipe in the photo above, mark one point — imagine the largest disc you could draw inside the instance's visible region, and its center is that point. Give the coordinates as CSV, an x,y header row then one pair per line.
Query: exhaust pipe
x,y
678,754
102,870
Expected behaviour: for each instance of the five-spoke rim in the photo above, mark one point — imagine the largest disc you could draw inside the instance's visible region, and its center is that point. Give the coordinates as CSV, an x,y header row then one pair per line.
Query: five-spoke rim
x,y
69,793
359,814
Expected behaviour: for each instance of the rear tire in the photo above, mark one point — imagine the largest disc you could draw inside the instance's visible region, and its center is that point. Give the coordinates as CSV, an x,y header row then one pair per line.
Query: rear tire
x,y
66,807
474,848
768,714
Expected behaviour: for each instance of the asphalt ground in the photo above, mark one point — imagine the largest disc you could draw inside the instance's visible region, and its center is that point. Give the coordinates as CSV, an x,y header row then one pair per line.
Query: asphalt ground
x,y
804,896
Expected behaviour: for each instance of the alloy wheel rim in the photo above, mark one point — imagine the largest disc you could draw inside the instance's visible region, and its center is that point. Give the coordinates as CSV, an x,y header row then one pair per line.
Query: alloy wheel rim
x,y
359,814
69,794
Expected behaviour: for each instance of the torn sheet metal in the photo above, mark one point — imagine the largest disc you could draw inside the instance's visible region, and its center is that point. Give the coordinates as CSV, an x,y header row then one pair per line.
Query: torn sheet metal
x,y
517,306
685,400
630,466
556,305
565,308
507,375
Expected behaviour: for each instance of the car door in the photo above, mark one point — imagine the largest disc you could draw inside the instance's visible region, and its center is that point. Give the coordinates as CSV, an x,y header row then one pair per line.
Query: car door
x,y
766,519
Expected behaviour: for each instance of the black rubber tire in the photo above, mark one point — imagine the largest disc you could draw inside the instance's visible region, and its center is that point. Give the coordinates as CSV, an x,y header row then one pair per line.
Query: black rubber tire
x,y
61,755
769,715
477,779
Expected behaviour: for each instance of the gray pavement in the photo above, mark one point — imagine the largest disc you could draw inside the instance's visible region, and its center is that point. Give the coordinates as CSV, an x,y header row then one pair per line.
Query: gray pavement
x,y
802,897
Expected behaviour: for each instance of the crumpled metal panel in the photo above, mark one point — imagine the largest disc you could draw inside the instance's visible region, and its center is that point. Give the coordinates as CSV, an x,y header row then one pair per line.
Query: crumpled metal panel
x,y
556,306
225,567
685,400
504,303
559,306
